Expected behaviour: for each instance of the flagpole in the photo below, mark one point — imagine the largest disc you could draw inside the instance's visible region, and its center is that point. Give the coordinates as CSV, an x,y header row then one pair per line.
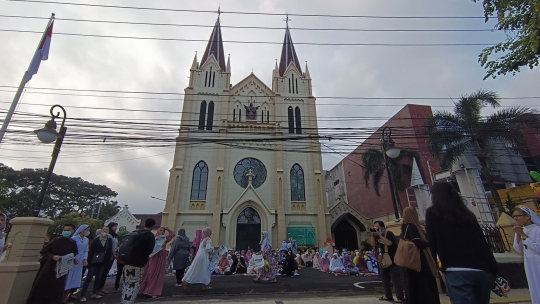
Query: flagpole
x,y
21,87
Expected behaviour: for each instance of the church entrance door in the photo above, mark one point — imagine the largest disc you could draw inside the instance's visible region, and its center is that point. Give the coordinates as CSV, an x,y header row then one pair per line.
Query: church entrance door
x,y
248,230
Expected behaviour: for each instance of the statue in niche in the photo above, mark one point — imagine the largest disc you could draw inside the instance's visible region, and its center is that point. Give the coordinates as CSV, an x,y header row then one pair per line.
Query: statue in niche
x,y
251,112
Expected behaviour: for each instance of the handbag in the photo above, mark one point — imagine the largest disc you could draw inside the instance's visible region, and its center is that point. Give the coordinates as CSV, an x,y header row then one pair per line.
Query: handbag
x,y
501,287
407,254
97,258
384,259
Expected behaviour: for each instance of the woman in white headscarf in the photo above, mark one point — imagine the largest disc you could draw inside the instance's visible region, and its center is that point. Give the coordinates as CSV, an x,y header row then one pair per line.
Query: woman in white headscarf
x,y
73,280
199,272
336,265
266,273
527,241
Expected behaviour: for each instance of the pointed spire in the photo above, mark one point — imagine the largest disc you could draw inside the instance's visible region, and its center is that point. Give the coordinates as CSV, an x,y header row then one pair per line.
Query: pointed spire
x,y
229,64
288,54
195,64
215,46
306,75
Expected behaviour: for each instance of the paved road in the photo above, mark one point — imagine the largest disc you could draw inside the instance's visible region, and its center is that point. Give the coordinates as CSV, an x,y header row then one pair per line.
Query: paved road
x,y
310,283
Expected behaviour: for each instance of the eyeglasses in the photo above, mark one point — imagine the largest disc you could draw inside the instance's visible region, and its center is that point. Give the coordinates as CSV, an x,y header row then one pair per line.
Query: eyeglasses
x,y
518,215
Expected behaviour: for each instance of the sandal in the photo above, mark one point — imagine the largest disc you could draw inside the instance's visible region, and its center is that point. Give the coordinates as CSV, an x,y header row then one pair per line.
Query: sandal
x,y
384,298
207,287
184,285
83,299
95,296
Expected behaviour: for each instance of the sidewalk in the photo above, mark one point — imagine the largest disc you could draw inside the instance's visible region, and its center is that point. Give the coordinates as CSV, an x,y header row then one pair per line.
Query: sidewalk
x,y
516,296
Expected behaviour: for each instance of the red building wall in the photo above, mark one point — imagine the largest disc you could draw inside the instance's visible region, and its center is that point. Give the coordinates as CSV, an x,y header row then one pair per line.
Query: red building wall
x,y
407,132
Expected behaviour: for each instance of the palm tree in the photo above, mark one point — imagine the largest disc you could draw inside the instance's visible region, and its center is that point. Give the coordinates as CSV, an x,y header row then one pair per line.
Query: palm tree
x,y
451,135
374,169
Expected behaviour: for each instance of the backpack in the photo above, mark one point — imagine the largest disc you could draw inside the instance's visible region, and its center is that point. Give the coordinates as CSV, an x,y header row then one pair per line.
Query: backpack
x,y
130,246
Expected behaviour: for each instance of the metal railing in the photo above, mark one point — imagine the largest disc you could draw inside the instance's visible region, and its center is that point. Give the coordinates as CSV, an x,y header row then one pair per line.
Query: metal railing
x,y
497,241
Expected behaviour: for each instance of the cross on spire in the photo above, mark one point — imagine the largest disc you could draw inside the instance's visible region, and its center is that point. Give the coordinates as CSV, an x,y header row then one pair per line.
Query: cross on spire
x,y
287,20
219,12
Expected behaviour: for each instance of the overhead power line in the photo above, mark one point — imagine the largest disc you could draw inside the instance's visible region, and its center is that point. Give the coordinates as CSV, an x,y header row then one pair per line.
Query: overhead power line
x,y
250,27
257,42
246,13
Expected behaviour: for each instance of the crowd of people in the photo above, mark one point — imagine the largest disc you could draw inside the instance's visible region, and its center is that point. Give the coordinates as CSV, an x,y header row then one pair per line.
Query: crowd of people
x,y
142,258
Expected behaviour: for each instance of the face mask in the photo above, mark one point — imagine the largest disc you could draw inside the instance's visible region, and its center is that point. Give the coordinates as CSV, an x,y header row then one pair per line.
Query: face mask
x,y
66,233
103,234
87,233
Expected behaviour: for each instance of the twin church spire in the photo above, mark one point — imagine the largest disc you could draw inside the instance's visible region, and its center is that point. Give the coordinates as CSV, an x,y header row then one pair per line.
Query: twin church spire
x,y
215,47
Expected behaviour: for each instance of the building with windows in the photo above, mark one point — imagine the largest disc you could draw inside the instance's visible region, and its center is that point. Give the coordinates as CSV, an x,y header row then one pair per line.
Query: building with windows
x,y
247,157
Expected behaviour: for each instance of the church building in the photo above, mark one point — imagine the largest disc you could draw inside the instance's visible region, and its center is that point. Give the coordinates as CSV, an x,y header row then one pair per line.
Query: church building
x,y
247,156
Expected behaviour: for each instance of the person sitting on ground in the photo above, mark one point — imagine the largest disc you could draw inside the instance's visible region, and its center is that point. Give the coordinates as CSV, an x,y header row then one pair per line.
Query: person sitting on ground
x,y
288,265
347,259
336,265
306,259
223,264
239,265
252,268
325,263
316,260
372,264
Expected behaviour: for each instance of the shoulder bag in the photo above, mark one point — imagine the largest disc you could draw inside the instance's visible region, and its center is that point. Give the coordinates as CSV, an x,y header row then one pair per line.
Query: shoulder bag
x,y
384,259
407,254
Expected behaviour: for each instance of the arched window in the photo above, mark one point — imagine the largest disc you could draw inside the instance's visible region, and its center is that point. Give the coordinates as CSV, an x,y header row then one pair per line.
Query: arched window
x,y
234,115
239,114
291,120
200,181
298,191
213,79
298,120
296,82
206,79
268,117
202,115
210,121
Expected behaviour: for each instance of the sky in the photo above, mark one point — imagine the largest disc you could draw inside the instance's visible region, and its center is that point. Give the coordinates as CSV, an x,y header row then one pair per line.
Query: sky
x,y
150,65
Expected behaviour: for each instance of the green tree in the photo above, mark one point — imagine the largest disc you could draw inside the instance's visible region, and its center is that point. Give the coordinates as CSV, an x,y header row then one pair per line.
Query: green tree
x,y
451,135
374,169
77,220
520,19
64,194
510,205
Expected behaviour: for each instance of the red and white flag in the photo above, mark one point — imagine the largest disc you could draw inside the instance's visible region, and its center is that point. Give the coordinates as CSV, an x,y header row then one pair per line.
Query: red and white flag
x,y
42,53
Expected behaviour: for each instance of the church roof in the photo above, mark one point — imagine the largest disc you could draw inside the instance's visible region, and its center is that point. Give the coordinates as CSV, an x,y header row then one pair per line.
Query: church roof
x,y
288,54
215,47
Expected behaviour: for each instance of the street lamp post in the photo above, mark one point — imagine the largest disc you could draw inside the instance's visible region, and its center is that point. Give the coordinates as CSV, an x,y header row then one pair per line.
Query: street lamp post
x,y
390,151
47,135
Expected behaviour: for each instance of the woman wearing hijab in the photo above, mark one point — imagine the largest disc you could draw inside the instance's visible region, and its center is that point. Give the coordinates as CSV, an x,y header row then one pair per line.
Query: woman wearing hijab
x,y
267,273
223,264
179,255
450,225
421,286
73,280
372,264
325,263
316,260
154,271
239,265
336,265
199,272
197,241
329,245
527,241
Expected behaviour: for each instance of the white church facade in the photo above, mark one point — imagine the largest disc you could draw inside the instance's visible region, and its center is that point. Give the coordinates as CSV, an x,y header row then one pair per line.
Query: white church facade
x,y
247,156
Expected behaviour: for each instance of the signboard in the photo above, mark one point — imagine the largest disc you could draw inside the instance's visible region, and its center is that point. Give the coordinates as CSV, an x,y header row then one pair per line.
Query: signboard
x,y
258,260
304,235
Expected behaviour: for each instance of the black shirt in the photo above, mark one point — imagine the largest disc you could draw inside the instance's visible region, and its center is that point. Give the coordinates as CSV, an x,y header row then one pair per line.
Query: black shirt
x,y
461,245
392,248
145,246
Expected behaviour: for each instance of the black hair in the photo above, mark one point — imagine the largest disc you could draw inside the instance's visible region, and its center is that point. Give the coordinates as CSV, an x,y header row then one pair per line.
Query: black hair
x,y
111,232
448,204
149,223
69,225
381,224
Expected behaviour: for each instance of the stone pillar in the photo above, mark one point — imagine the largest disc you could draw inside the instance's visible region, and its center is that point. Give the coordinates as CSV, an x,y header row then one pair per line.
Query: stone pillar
x,y
19,269
507,223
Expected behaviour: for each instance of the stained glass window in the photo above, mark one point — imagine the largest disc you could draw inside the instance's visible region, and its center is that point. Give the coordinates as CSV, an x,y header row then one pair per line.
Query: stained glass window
x,y
298,192
242,168
249,216
200,181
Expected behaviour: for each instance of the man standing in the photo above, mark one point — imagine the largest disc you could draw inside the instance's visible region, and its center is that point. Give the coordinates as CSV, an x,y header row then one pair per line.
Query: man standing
x,y
386,241
142,247
114,237
48,289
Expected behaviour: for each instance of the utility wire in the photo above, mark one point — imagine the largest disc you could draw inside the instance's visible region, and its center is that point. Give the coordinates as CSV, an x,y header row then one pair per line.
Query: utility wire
x,y
246,13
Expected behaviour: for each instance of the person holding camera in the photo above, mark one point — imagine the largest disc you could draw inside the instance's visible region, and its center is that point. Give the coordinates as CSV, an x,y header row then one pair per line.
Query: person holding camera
x,y
390,272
